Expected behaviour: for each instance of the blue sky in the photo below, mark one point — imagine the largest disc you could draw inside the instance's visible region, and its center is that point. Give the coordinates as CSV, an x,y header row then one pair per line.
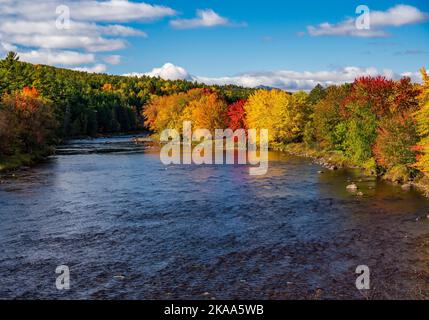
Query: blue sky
x,y
270,41
242,42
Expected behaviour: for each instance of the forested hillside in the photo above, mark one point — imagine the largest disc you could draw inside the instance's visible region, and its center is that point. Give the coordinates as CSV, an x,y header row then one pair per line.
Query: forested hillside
x,y
42,104
86,104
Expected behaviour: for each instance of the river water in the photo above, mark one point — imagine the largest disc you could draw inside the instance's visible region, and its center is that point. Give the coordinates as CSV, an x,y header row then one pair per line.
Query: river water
x,y
130,228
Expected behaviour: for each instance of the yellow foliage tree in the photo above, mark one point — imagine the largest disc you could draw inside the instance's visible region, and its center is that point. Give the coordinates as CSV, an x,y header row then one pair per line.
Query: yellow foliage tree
x,y
264,110
422,119
283,114
298,115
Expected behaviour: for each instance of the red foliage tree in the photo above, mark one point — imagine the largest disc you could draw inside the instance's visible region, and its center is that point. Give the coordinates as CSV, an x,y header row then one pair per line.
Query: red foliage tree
x,y
237,115
406,96
375,93
382,96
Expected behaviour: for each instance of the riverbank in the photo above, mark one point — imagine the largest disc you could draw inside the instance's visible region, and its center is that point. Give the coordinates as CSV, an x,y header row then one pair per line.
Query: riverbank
x,y
20,160
333,160
329,159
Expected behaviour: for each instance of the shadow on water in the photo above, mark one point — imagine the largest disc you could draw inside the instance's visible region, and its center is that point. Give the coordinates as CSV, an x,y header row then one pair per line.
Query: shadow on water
x,y
130,227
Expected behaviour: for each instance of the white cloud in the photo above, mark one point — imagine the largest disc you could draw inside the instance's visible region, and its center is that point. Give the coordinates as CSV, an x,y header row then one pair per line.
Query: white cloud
x,y
284,79
91,44
122,31
88,10
23,27
345,28
113,59
204,18
396,16
168,71
6,47
120,10
98,68
65,58
29,27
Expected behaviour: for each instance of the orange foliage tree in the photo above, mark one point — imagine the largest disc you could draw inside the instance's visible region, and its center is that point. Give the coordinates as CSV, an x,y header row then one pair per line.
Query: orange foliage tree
x,y
27,120
209,111
393,146
203,107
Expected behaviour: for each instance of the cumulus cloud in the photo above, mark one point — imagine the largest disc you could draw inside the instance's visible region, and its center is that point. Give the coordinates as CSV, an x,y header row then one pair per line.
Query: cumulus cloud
x,y
98,68
113,59
87,43
396,16
120,10
87,10
30,27
345,28
293,80
283,79
168,71
65,58
205,18
77,28
6,47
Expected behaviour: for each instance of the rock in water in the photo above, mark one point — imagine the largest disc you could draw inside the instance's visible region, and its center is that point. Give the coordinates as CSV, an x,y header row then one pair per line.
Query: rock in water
x,y
406,186
352,187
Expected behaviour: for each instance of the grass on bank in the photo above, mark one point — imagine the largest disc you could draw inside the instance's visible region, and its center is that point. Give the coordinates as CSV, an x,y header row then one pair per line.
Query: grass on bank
x,y
397,174
18,160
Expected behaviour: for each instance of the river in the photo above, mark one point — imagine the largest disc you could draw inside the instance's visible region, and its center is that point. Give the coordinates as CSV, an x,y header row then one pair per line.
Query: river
x,y
130,228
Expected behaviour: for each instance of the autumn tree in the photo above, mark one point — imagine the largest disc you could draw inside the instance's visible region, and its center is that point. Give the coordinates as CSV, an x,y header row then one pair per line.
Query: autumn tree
x,y
266,109
422,119
327,117
203,107
165,112
207,111
393,146
316,94
237,115
374,94
30,122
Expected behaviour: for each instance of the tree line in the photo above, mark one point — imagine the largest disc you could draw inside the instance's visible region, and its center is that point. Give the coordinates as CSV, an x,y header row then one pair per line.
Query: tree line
x,y
374,123
74,103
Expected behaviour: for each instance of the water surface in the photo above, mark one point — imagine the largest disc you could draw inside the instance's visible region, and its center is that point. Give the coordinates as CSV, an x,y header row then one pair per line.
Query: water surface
x,y
130,228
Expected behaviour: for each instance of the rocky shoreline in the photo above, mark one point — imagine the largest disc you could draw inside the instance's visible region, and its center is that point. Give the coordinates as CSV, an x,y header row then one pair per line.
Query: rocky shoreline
x,y
422,184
